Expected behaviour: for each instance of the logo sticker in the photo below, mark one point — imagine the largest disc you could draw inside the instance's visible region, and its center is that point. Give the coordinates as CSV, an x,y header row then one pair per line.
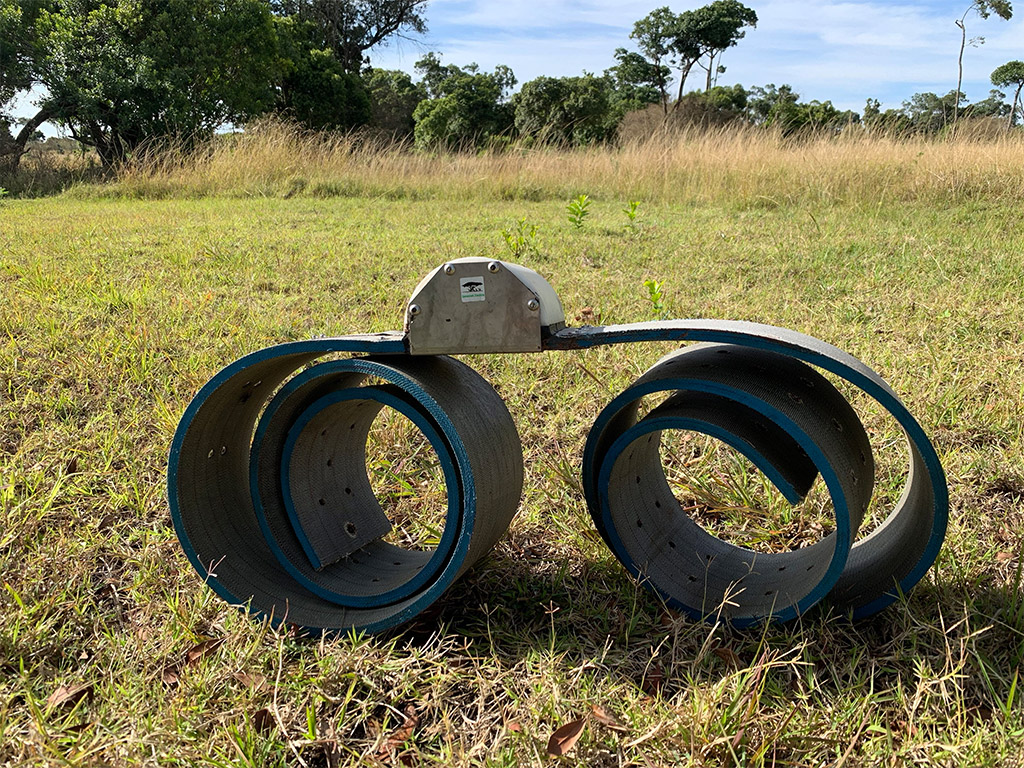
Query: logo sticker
x,y
472,288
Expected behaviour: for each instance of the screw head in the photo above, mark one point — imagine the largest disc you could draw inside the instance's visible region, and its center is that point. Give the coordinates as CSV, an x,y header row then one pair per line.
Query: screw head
x,y
414,309
493,266
533,305
449,269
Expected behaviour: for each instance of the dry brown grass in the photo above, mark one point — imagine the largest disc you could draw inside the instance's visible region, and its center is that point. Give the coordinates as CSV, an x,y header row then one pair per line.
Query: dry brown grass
x,y
734,165
45,171
114,312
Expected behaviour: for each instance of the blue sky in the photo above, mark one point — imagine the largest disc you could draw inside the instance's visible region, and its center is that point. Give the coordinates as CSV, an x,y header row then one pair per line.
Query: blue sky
x,y
843,51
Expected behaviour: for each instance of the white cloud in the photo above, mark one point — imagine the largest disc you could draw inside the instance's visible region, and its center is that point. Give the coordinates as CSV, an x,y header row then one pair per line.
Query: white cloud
x,y
843,51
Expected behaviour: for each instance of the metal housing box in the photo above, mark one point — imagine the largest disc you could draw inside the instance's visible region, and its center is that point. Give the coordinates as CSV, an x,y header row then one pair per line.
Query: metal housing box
x,y
477,305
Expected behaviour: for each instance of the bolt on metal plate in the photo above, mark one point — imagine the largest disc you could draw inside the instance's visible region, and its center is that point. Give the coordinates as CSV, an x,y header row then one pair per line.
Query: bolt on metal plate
x,y
476,305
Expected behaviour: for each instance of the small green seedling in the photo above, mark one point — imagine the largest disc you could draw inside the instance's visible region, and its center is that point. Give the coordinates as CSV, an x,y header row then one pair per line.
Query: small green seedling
x,y
656,296
578,210
631,211
521,238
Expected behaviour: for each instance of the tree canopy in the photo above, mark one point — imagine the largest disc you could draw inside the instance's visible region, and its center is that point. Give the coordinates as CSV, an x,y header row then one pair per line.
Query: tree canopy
x,y
654,34
636,82
313,87
686,39
393,100
18,52
708,31
121,73
566,110
348,28
1009,75
118,74
464,106
16,60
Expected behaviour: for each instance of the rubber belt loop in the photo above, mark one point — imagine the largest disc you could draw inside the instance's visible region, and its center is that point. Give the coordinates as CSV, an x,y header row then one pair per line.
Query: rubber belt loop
x,y
271,501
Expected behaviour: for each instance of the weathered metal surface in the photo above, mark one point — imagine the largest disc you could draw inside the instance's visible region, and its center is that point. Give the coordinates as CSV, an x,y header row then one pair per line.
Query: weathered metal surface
x,y
481,305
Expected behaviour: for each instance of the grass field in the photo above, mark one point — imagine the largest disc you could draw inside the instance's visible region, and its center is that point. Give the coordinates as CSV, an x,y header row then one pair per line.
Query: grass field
x,y
117,302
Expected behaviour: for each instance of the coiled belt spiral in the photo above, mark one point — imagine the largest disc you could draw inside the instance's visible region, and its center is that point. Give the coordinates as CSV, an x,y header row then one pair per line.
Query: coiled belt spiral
x,y
270,499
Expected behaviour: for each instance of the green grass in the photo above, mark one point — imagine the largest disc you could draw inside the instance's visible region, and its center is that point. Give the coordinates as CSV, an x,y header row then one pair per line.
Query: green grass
x,y
114,312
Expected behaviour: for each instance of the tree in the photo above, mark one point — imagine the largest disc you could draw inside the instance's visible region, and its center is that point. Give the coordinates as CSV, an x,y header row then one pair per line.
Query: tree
x,y
465,107
993,106
781,107
714,28
1006,76
324,45
721,105
872,111
18,72
636,82
393,100
566,110
892,121
654,34
731,98
15,50
314,89
348,28
930,113
685,39
122,73
984,8
766,104
819,115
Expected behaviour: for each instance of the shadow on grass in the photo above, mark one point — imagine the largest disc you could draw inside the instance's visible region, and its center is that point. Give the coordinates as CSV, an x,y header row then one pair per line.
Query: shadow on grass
x,y
521,606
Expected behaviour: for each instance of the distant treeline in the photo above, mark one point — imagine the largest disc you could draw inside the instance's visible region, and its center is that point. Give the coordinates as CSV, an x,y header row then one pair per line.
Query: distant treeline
x,y
120,75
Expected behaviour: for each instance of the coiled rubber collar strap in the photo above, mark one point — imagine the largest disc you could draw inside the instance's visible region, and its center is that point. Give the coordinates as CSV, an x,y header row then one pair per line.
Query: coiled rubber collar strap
x,y
764,382
270,500
272,503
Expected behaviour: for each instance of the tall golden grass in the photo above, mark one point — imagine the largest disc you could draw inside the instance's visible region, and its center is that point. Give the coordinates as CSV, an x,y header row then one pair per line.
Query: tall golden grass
x,y
737,165
47,171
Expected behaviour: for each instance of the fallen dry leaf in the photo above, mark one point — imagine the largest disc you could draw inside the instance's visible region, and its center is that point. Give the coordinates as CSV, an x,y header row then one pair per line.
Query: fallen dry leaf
x,y
565,738
738,738
586,315
669,617
401,734
729,656
514,727
605,718
202,650
171,674
263,721
69,694
250,679
1004,556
